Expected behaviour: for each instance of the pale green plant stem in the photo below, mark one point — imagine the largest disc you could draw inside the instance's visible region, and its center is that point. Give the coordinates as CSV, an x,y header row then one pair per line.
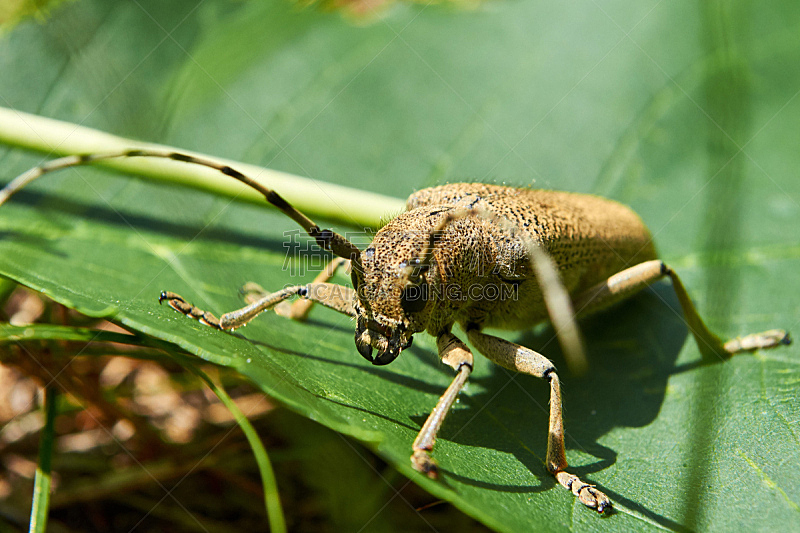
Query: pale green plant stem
x,y
315,198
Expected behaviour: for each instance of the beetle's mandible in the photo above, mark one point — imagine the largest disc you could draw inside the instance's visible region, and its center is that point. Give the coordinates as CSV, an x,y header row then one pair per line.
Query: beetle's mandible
x,y
478,256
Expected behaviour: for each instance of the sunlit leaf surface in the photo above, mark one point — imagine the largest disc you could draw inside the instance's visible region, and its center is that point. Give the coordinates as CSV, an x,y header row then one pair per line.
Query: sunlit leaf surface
x,y
688,113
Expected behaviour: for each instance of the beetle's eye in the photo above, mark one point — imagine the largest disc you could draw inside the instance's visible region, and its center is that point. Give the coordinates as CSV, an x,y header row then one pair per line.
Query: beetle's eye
x,y
414,298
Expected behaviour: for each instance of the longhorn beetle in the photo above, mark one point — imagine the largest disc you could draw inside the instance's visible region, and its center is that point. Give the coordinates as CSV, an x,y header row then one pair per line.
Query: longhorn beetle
x,y
478,256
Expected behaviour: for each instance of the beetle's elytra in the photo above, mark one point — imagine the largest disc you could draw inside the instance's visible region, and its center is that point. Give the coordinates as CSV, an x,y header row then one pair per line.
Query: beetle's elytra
x,y
478,256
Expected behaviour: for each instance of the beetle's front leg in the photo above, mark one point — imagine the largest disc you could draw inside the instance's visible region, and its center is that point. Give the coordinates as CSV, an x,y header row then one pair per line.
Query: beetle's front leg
x,y
299,309
521,359
336,297
455,353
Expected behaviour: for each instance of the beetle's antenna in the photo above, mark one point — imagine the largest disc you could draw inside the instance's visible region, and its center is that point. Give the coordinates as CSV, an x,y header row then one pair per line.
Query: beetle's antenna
x,y
327,239
556,297
422,264
559,308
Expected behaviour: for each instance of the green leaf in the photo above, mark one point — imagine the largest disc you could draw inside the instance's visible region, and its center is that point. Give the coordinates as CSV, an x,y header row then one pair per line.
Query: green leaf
x,y
686,113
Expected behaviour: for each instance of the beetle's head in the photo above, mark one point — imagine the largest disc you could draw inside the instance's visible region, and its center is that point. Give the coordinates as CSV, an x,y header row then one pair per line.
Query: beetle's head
x,y
393,300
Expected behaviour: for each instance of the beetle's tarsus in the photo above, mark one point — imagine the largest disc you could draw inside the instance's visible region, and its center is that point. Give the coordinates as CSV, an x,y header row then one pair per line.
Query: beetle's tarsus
x,y
424,463
758,341
589,495
177,302
252,292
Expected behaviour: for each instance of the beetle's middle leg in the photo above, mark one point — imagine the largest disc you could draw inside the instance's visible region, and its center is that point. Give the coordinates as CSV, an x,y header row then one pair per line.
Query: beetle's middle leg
x,y
522,359
639,276
337,297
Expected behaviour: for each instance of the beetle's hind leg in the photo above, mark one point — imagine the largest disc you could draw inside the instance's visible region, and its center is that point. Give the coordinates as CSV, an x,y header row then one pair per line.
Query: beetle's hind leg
x,y
337,297
522,359
639,276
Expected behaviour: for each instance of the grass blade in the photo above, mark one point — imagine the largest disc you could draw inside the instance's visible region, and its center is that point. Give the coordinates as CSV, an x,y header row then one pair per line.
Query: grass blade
x,y
41,486
277,523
